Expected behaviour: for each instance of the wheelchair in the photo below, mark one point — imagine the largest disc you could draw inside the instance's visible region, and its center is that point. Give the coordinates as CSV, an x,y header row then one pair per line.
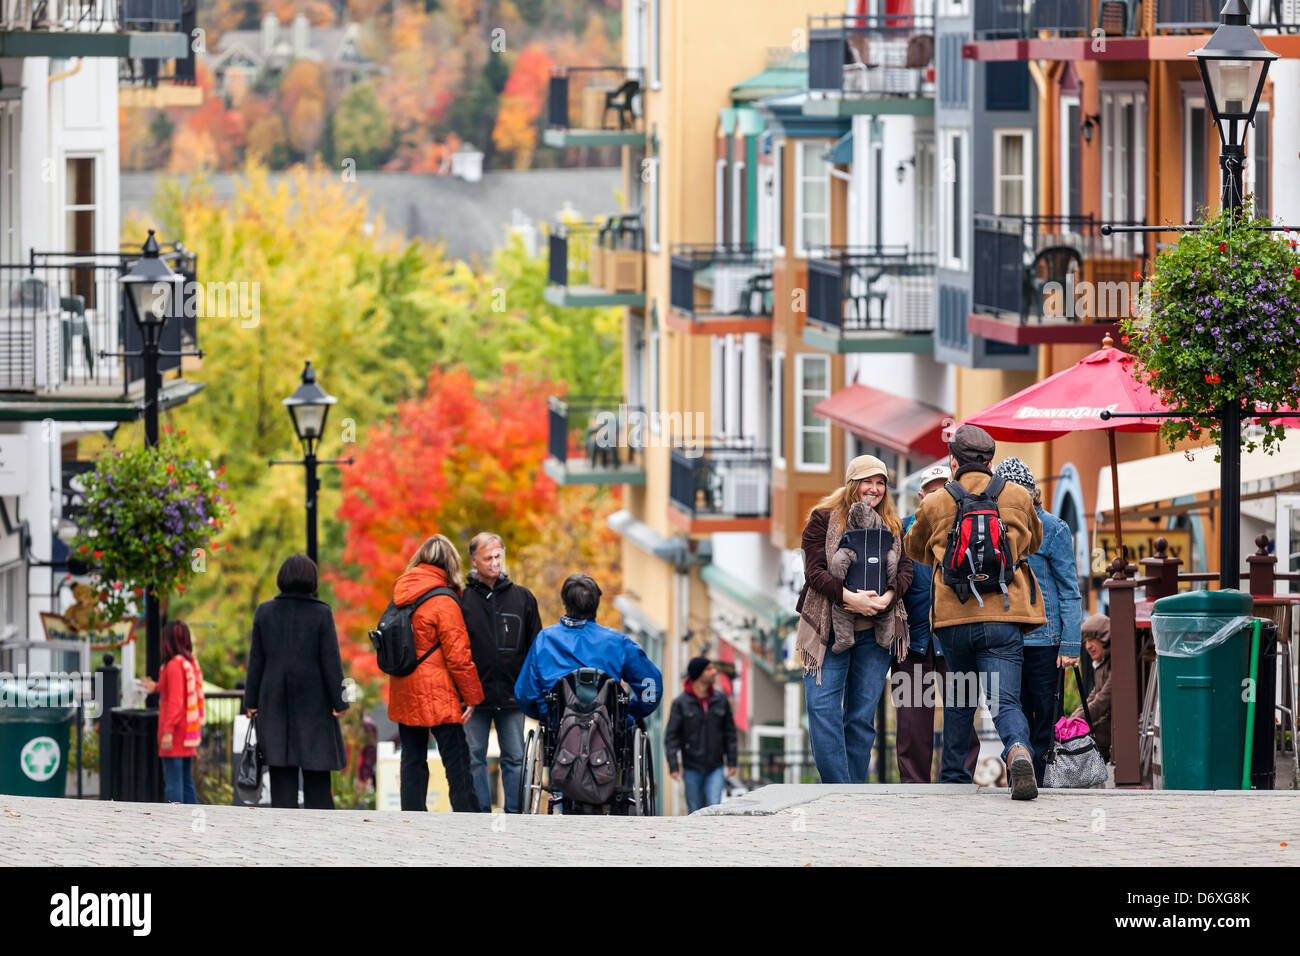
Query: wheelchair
x,y
634,787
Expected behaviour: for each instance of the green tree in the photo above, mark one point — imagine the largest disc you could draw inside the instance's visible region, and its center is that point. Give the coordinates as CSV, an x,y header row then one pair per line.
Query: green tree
x,y
363,129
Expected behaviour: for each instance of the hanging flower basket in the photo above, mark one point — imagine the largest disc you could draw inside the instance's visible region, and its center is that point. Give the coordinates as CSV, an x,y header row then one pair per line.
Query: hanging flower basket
x,y
1222,323
151,519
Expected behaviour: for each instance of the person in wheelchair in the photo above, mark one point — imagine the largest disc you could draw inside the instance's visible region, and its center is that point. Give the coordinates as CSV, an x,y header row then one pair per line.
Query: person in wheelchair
x,y
577,641
591,753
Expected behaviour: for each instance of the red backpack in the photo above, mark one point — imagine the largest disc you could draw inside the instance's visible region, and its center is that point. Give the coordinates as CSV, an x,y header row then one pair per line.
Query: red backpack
x,y
978,557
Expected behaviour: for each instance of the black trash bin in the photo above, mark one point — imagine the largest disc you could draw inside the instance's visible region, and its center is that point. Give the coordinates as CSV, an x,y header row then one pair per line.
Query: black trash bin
x,y
1264,734
134,772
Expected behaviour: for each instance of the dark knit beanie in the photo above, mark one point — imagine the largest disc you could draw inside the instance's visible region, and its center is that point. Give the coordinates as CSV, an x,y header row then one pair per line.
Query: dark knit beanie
x,y
696,667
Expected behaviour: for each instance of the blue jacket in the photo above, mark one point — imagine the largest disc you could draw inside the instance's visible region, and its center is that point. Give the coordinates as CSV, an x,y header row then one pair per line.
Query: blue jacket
x,y
565,647
1053,566
917,602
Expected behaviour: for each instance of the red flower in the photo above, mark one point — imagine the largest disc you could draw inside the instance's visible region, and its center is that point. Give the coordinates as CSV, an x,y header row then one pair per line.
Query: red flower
x,y
1212,379
180,587
1164,338
170,469
1137,275
222,469
85,548
1296,272
1223,247
1123,340
140,592
99,554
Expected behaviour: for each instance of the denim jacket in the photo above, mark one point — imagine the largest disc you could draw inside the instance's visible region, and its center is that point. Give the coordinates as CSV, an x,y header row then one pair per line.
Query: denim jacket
x,y
1053,566
917,602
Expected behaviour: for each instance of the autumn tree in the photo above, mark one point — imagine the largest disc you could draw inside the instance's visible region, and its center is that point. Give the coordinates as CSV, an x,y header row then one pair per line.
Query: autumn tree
x,y
362,128
522,102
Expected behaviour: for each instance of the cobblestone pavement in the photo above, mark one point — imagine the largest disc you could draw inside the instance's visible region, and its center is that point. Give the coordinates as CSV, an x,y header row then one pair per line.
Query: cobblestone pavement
x,y
783,825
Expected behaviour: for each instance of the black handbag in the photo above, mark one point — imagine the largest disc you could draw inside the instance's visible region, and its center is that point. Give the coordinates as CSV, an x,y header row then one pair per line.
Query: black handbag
x,y
869,570
252,765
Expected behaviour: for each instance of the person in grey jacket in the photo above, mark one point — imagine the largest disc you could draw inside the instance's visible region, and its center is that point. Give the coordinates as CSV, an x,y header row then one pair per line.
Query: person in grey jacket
x,y
1054,646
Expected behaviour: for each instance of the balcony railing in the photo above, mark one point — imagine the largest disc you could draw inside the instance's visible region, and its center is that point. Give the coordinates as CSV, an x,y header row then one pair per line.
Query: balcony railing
x,y
58,311
871,55
720,481
90,16
569,248
605,433
607,98
1056,268
999,19
872,288
617,262
1186,16
721,280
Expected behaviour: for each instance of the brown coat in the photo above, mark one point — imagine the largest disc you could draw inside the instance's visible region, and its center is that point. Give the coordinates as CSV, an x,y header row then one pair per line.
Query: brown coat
x,y
435,692
927,540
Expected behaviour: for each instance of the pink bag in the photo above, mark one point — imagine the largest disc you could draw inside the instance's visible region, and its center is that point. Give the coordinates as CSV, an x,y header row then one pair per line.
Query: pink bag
x,y
1067,728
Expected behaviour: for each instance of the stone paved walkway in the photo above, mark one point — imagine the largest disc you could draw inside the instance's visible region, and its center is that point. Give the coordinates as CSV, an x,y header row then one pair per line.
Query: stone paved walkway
x,y
782,825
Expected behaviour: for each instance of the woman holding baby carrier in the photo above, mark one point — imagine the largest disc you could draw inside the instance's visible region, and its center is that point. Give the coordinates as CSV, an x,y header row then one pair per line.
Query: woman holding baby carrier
x,y
848,636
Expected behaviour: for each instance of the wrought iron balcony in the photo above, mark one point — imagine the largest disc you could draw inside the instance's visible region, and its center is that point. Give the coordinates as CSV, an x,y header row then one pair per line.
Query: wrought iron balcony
x,y
1027,19
871,56
117,28
608,106
595,441
714,486
152,82
717,289
58,311
1016,19
577,260
1053,271
1200,16
860,292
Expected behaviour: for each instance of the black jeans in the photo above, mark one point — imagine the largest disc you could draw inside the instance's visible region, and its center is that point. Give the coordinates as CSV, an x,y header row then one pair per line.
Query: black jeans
x,y
1040,698
454,749
316,794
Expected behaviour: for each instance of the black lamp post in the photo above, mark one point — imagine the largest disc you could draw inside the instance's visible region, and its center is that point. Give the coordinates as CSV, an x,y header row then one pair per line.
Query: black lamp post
x,y
1234,66
152,294
308,407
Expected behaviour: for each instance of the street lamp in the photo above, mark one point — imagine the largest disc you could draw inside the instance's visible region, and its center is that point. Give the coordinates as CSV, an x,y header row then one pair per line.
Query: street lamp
x,y
151,295
308,407
1234,66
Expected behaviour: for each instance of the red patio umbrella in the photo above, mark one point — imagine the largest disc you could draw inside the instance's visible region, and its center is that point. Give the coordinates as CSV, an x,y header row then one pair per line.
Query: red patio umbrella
x,y
1072,400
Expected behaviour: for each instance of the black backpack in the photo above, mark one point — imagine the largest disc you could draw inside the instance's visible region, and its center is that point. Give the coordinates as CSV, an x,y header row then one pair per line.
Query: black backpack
x,y
583,767
978,556
394,636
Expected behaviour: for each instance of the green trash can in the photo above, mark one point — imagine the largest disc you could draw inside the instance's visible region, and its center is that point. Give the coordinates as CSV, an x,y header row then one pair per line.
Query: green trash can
x,y
35,725
1203,643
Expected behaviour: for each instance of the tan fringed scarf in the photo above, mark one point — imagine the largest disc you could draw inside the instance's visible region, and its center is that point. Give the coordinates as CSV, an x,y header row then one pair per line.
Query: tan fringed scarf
x,y
820,623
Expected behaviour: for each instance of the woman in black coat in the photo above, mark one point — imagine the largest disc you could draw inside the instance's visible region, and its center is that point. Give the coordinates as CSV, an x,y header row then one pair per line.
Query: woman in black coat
x,y
295,687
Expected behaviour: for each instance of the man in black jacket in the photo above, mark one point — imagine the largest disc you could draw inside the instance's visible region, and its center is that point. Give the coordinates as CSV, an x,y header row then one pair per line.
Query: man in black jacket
x,y
502,620
702,727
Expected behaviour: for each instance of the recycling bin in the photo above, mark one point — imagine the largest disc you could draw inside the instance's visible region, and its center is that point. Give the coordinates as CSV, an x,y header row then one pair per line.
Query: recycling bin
x,y
1203,642
36,716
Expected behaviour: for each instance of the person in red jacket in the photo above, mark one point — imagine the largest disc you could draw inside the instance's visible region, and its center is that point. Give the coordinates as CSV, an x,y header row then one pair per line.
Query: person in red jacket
x,y
180,712
442,692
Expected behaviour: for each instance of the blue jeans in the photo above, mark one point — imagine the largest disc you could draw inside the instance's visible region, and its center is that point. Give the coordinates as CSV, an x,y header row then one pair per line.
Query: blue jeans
x,y
842,709
989,652
703,788
510,738
178,780
1040,682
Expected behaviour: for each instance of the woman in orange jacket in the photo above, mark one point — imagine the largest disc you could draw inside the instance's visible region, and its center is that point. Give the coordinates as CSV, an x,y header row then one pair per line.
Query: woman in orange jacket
x,y
180,712
442,692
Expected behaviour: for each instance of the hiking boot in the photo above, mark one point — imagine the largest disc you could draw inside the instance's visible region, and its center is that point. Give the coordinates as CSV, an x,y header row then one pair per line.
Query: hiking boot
x,y
1020,770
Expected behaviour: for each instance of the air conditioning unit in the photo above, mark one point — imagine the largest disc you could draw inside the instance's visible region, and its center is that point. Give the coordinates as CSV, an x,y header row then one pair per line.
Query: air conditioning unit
x,y
911,304
729,281
745,491
30,351
33,14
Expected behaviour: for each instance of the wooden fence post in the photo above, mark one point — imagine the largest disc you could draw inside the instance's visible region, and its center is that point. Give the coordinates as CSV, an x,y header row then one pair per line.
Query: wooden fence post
x,y
1262,568
1125,704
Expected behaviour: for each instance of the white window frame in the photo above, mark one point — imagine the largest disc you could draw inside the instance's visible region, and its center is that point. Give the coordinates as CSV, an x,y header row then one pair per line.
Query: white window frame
x,y
1248,174
634,37
11,206
1191,101
738,202
1114,97
766,189
802,147
652,203
1026,176
954,147
802,361
718,381
653,388
924,234
96,206
652,53
720,202
778,409
778,197
1068,130
13,584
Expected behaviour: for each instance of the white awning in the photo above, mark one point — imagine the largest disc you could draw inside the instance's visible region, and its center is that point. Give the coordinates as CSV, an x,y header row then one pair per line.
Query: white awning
x,y
1164,477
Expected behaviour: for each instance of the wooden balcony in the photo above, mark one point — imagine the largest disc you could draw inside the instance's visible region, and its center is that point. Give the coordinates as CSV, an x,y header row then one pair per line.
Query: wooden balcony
x,y
720,290
582,271
1053,280
592,441
720,488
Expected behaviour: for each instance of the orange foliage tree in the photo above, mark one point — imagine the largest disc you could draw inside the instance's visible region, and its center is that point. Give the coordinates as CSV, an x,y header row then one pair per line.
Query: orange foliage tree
x,y
464,458
521,103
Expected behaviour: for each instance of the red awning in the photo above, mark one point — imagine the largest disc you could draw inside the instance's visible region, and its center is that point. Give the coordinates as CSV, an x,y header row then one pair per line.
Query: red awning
x,y
890,421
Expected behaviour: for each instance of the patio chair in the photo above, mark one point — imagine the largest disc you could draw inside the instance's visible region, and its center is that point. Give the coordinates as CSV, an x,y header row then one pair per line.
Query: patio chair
x,y
759,286
1117,17
1052,264
621,100
74,323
